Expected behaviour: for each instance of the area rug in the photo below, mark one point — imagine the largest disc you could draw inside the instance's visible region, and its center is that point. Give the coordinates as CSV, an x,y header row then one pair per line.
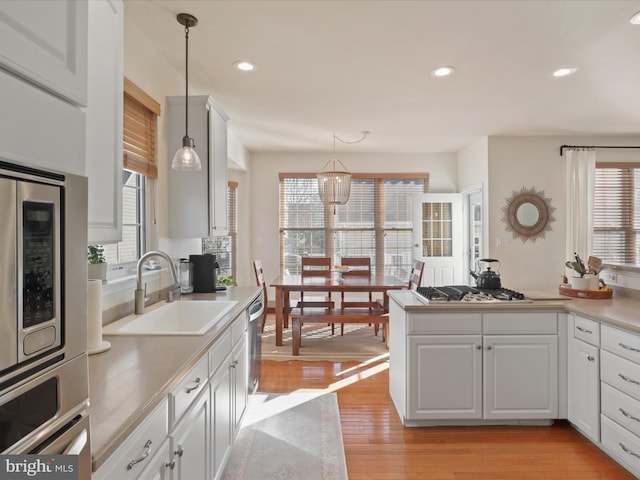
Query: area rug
x,y
359,343
289,437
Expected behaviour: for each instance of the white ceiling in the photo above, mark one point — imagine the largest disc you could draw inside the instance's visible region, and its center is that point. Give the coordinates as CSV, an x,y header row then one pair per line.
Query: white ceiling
x,y
348,66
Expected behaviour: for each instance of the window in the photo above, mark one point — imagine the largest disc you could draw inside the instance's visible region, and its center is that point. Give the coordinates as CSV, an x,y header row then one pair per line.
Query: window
x,y
139,165
133,221
616,216
376,222
225,247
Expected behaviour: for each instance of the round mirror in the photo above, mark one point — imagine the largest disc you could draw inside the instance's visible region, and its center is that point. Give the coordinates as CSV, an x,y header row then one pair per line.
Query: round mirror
x,y
528,214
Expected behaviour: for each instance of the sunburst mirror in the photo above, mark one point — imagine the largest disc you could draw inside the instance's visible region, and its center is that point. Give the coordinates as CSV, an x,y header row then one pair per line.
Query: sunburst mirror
x,y
528,214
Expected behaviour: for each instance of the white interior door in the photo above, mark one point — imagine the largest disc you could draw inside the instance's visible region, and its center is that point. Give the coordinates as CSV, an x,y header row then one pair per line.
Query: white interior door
x,y
438,230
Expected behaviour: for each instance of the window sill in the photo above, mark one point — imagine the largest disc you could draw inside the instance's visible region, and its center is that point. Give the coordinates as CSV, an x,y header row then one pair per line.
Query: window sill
x,y
633,269
121,282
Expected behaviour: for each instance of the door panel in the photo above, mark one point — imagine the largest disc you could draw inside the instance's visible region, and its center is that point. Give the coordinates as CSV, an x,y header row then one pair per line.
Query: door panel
x,y
438,237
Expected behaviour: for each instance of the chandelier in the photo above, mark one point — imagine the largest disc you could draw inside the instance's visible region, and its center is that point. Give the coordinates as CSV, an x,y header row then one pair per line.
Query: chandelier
x,y
334,182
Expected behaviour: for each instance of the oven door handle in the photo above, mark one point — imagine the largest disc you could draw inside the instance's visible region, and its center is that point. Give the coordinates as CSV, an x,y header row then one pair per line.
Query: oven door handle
x,y
78,444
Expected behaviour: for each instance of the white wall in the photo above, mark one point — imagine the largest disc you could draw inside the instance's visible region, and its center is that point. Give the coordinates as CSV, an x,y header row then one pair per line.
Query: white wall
x,y
515,162
265,167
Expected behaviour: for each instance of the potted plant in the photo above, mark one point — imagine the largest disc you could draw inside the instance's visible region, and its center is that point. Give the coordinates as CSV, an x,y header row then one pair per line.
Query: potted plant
x,y
580,280
97,263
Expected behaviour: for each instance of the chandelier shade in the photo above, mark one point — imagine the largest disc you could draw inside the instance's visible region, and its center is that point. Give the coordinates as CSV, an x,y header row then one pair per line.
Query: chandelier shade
x,y
334,181
334,186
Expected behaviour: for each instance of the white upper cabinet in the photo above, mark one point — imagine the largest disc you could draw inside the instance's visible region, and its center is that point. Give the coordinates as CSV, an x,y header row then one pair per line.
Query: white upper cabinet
x,y
43,84
198,200
45,42
104,120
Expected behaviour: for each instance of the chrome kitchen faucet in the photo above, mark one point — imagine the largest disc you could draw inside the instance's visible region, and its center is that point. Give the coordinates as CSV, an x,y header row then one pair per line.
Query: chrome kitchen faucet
x,y
140,291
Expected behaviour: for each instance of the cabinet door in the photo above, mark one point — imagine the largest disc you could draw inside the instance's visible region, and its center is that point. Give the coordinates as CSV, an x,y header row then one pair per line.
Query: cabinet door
x,y
218,172
584,388
445,377
46,43
191,441
203,195
240,383
221,421
520,376
104,120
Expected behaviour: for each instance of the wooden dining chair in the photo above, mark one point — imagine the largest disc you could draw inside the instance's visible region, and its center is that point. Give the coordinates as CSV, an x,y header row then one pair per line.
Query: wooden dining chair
x,y
415,277
357,267
315,267
257,268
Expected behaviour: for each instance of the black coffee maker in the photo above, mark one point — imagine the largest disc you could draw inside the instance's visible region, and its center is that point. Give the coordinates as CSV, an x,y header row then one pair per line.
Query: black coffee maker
x,y
205,273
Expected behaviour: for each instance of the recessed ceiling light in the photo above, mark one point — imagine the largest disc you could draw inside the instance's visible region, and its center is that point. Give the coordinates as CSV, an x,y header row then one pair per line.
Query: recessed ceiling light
x,y
635,19
443,71
564,72
245,66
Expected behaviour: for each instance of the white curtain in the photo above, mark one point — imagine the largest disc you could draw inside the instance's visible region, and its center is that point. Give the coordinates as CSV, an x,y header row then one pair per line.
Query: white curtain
x,y
580,175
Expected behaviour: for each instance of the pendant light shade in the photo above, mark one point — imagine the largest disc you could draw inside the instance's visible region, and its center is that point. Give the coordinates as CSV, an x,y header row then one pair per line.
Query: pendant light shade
x,y
334,186
334,182
186,158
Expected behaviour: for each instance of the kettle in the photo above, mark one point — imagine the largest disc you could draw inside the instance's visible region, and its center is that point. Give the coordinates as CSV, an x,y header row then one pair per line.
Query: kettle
x,y
488,278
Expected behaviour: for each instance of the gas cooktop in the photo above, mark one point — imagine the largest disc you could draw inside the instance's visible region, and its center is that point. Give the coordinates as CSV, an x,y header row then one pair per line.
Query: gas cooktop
x,y
465,293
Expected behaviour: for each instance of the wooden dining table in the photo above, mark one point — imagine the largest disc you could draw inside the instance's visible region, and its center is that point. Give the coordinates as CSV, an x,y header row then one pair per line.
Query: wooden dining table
x,y
285,284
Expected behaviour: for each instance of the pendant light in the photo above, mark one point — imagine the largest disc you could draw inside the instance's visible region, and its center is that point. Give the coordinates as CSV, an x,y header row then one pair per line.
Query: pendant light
x,y
186,158
334,182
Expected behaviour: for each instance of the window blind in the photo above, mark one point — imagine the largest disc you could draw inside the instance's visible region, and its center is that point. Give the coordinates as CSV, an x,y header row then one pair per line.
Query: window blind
x,y
616,215
376,221
140,131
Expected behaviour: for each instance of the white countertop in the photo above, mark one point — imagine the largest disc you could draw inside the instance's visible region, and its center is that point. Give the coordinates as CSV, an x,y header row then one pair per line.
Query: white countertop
x,y
127,381
623,312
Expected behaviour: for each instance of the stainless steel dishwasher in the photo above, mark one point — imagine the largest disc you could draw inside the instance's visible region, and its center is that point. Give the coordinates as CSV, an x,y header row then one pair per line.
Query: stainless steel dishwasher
x,y
254,312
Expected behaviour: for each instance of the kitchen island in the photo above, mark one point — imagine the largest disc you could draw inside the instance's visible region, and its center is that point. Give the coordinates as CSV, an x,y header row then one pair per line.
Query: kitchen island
x,y
520,363
131,380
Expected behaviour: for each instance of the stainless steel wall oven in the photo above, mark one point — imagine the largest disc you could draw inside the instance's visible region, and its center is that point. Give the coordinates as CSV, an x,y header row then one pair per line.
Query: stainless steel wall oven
x,y
43,310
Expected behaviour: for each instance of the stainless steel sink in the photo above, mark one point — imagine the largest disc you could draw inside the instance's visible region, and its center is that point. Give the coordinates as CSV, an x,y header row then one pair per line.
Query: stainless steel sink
x,y
189,317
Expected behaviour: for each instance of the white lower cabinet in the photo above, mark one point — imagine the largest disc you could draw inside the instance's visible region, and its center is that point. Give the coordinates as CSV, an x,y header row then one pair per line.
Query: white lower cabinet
x,y
190,434
228,393
190,441
221,421
520,376
620,393
445,376
144,454
584,388
504,367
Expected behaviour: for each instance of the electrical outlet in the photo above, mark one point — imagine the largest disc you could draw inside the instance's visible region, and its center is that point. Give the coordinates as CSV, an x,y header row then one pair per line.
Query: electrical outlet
x,y
612,277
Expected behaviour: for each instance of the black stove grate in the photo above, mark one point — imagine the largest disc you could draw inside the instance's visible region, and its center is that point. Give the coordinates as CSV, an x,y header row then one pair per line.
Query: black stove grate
x,y
454,293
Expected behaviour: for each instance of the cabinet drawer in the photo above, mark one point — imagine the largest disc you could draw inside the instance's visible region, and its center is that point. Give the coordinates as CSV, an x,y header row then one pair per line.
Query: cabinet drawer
x,y
238,328
518,323
187,390
621,443
220,350
587,330
141,445
622,343
620,373
621,407
445,324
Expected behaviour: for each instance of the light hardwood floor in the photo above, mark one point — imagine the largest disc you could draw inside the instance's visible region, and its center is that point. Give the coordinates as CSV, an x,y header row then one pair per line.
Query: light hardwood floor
x,y
377,446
